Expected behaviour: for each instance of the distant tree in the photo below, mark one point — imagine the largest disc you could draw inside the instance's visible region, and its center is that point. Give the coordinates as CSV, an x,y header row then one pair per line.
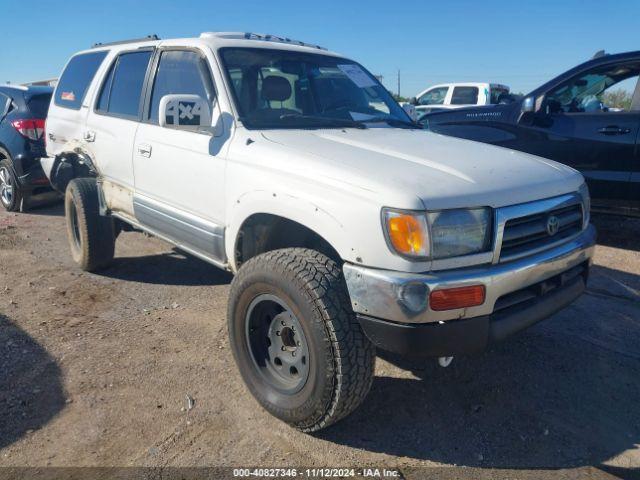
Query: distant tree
x,y
400,98
617,99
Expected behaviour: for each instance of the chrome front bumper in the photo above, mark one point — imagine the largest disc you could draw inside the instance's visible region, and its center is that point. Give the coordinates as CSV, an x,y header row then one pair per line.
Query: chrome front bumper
x,y
403,297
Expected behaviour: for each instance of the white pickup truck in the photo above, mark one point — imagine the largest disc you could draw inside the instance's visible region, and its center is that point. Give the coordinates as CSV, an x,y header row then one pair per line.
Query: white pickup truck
x,y
456,95
346,226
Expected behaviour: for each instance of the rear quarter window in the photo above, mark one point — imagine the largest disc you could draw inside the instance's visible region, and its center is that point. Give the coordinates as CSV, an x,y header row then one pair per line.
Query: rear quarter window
x,y
39,105
76,78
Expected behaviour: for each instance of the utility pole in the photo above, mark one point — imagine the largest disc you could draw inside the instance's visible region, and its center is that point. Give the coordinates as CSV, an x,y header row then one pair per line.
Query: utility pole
x,y
398,83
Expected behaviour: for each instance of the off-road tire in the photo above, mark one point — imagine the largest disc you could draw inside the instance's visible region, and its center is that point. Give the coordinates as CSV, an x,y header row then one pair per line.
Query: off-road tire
x,y
341,358
91,235
12,204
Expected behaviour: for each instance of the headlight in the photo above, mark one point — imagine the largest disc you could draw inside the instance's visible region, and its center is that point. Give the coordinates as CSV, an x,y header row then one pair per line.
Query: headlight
x,y
586,203
442,234
460,232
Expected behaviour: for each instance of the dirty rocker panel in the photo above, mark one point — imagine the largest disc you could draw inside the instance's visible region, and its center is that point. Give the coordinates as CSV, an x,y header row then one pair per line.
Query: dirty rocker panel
x,y
204,237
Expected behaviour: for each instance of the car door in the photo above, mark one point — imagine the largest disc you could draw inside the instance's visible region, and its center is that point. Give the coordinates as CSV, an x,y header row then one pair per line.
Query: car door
x,y
113,120
588,123
179,174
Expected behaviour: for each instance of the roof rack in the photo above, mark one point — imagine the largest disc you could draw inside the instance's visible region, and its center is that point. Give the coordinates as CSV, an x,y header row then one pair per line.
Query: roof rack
x,y
259,36
133,40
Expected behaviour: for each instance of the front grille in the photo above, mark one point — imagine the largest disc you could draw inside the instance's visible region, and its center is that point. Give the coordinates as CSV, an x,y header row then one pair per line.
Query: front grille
x,y
527,234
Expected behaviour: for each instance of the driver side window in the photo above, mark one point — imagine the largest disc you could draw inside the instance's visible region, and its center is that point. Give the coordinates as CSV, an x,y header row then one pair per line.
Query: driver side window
x,y
435,96
609,89
180,72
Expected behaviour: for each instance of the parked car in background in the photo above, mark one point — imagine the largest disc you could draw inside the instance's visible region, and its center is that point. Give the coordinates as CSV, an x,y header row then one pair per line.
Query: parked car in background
x,y
346,225
573,119
456,95
23,111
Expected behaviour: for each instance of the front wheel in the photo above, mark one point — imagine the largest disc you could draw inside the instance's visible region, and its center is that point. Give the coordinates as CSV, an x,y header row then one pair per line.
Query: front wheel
x,y
295,338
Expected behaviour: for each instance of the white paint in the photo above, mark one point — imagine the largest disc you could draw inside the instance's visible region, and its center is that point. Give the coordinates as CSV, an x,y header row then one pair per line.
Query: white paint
x,y
333,181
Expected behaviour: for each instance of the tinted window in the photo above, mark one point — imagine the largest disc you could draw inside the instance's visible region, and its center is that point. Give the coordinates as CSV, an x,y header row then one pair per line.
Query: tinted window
x,y
103,100
498,95
435,96
39,105
464,96
76,78
180,72
122,89
606,89
4,105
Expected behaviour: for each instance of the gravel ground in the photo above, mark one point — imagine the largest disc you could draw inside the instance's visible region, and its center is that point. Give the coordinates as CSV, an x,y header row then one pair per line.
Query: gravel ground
x,y
95,370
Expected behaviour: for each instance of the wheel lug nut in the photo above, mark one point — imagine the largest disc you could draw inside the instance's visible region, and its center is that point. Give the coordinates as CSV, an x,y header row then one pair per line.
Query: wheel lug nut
x,y
293,354
283,348
278,333
298,343
282,322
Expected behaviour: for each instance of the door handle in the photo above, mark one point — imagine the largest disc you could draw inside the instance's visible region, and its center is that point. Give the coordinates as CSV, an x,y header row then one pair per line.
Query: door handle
x,y
144,149
89,136
614,130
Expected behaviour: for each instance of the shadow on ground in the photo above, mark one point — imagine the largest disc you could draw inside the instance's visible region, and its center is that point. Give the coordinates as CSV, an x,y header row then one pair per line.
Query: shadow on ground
x,y
31,392
617,231
173,268
50,208
562,394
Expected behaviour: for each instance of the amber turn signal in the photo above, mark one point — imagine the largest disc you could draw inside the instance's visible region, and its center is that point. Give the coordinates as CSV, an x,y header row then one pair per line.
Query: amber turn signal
x,y
407,233
461,297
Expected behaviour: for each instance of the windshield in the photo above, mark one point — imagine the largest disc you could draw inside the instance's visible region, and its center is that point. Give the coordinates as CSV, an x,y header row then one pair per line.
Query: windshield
x,y
289,89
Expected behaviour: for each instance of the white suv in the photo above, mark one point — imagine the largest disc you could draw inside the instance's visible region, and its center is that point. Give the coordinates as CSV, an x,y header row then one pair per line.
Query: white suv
x,y
348,228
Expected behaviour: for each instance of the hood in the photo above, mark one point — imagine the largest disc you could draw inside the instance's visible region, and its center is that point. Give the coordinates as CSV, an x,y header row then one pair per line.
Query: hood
x,y
443,172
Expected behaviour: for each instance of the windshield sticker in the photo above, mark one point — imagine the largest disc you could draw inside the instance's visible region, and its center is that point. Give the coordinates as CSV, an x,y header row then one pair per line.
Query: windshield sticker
x,y
357,75
69,96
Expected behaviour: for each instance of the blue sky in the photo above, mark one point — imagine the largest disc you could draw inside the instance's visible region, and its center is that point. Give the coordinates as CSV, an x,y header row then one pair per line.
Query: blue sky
x,y
521,44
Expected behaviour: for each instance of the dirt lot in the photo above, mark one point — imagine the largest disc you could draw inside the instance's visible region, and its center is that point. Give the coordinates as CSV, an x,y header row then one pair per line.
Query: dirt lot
x,y
95,370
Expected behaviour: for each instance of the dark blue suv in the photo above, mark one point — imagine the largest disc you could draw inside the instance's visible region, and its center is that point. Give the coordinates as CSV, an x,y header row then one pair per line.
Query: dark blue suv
x,y
23,111
587,118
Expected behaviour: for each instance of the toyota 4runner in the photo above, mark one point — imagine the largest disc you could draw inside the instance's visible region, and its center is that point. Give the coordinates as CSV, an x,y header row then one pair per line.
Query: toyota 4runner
x,y
347,226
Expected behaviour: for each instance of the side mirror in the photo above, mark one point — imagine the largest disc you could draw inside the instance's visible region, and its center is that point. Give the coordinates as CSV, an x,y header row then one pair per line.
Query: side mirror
x,y
528,105
413,101
185,112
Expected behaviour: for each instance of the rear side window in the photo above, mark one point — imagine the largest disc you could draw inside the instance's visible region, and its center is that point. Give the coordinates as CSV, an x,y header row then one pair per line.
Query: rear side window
x,y
4,105
464,96
76,78
122,89
180,72
39,105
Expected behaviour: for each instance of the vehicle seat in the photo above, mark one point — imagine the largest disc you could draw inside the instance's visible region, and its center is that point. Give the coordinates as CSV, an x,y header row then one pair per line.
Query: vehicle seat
x,y
274,89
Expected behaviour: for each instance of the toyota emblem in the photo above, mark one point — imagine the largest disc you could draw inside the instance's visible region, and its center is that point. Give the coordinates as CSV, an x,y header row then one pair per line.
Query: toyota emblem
x,y
553,224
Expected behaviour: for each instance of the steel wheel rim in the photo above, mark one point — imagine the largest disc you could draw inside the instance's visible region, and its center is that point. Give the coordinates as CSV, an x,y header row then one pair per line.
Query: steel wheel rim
x,y
277,344
6,186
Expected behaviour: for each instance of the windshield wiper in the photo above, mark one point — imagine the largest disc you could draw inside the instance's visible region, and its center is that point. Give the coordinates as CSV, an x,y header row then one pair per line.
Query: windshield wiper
x,y
396,122
324,121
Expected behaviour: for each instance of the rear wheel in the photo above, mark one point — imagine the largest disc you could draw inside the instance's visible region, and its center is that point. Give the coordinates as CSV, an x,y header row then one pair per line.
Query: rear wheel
x,y
10,194
295,338
91,235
